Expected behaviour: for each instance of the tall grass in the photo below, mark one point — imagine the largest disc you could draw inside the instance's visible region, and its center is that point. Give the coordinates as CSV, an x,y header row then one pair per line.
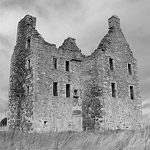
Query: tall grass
x,y
108,140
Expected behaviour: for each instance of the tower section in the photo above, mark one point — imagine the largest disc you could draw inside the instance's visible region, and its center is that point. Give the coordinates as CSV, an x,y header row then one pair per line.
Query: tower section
x,y
21,77
121,94
111,87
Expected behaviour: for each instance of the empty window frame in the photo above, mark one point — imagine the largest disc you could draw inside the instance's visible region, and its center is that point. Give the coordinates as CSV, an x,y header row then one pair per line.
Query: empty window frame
x,y
67,90
55,89
113,89
111,65
75,95
75,92
131,92
67,65
45,122
55,63
28,63
129,69
28,90
28,42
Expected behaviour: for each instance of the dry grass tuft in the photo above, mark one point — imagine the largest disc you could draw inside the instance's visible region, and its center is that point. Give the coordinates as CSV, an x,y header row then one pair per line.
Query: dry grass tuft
x,y
110,140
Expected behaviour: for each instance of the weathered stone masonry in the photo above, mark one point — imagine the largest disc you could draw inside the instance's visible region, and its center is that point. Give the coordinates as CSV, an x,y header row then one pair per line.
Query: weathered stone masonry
x,y
60,89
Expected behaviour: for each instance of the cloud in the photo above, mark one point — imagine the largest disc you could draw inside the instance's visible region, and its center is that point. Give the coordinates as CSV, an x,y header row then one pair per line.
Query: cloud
x,y
146,106
3,108
145,87
45,9
146,111
5,53
5,40
63,4
132,1
4,73
146,101
25,7
25,4
3,105
146,119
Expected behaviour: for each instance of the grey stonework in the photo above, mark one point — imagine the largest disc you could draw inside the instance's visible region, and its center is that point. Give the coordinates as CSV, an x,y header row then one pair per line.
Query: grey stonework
x,y
90,104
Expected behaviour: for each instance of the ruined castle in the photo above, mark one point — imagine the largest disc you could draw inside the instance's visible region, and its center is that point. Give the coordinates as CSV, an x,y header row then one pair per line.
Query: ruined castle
x,y
60,89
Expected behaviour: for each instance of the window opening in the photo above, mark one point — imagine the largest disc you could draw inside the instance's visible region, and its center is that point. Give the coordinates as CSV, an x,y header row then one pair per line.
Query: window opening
x,y
55,89
45,122
129,69
131,92
113,88
28,43
28,90
67,90
75,92
55,63
75,95
67,65
28,64
111,64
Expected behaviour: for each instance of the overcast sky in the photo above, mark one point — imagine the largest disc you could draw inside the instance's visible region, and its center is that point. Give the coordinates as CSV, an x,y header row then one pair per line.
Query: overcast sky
x,y
84,20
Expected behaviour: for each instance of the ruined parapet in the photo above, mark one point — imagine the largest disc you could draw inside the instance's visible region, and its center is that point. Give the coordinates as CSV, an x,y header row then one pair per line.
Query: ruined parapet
x,y
70,44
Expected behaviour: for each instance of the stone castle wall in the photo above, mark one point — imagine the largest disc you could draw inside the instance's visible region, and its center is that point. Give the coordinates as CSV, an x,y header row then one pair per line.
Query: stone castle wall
x,y
57,111
91,104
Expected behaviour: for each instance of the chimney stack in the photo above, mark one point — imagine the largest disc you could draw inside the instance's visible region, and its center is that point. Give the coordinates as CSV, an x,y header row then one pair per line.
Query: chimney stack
x,y
114,22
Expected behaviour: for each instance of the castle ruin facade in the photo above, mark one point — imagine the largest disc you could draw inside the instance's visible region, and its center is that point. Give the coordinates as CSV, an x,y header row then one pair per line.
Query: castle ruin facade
x,y
60,89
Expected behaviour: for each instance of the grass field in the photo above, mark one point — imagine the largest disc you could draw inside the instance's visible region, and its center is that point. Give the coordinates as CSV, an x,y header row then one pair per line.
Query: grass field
x,y
109,140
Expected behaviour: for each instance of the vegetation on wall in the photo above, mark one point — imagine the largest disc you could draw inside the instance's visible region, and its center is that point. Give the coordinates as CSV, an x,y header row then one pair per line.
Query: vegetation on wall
x,y
92,107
